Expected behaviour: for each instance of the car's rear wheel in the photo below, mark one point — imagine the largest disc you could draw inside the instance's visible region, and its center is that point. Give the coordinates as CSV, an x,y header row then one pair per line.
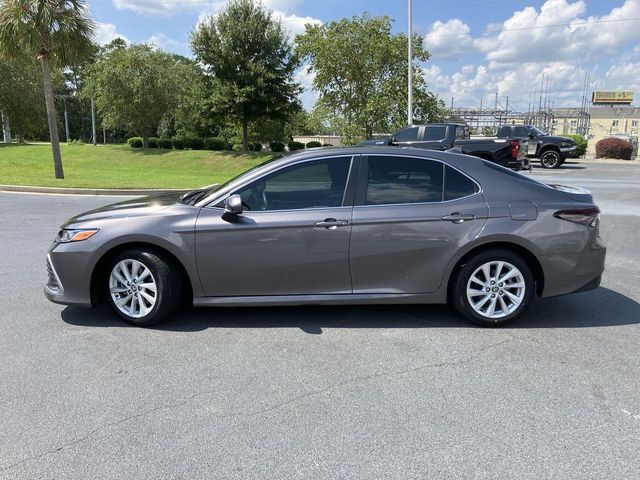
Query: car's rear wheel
x,y
493,287
143,287
551,159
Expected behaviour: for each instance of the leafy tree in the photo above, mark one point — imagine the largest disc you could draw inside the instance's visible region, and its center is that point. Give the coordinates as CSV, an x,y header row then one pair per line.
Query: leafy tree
x,y
21,96
249,63
57,32
361,74
135,86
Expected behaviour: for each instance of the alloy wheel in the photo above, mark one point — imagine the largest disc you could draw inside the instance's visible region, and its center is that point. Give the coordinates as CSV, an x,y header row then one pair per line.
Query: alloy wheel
x,y
133,288
496,289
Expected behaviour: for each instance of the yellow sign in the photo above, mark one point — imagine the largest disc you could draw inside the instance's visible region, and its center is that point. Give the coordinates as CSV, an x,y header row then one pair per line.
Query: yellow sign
x,y
612,96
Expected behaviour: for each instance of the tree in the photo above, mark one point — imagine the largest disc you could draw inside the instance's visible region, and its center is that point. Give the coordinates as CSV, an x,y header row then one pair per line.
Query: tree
x,y
361,75
136,86
21,96
57,32
249,63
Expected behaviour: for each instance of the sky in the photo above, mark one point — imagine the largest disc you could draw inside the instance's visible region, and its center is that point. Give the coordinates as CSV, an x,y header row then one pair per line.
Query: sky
x,y
477,47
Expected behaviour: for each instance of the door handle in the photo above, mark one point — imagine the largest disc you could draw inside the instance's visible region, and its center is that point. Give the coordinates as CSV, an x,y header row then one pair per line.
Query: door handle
x,y
331,223
458,217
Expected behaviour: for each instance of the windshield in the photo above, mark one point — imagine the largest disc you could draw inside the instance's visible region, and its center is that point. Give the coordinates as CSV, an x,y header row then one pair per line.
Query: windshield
x,y
537,131
194,196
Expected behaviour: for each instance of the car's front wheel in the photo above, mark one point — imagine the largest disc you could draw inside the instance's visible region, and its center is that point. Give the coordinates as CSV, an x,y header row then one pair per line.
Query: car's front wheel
x,y
143,287
493,287
551,159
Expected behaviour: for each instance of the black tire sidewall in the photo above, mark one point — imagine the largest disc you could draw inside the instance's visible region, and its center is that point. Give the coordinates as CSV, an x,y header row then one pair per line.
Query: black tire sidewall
x,y
459,290
165,281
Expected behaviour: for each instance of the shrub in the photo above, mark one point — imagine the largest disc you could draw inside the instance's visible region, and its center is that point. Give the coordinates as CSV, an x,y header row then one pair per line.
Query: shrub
x,y
277,146
313,144
581,144
614,148
153,142
164,143
215,143
327,145
237,147
255,146
177,143
135,142
295,146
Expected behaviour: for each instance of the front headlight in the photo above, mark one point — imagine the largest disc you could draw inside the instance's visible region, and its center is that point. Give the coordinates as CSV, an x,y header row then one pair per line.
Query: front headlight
x,y
566,144
75,235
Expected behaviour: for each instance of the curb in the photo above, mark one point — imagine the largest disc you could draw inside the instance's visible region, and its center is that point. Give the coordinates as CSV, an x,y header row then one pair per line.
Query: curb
x,y
86,191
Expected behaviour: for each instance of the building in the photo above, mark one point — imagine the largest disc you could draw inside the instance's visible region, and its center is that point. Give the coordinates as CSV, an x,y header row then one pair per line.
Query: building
x,y
603,122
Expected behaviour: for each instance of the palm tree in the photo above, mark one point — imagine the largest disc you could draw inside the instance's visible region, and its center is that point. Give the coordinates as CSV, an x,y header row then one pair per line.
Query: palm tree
x,y
57,32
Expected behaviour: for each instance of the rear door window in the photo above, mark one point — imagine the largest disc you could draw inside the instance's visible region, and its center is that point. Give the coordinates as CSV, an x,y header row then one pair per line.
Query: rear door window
x,y
504,132
457,185
399,180
433,133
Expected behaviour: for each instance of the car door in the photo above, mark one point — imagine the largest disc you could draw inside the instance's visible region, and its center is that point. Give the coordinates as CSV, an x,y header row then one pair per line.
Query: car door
x,y
522,133
292,237
434,137
411,216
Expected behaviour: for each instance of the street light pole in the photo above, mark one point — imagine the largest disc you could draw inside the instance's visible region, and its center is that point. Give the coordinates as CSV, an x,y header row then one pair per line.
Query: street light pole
x,y
410,72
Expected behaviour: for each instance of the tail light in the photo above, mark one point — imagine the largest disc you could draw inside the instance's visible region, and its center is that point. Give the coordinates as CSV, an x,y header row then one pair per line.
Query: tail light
x,y
583,216
515,148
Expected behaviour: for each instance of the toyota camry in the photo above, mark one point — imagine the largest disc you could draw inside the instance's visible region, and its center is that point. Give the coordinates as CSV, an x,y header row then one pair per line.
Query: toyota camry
x,y
337,226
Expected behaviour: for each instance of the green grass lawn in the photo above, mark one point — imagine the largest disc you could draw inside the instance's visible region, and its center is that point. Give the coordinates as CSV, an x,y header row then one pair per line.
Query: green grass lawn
x,y
118,166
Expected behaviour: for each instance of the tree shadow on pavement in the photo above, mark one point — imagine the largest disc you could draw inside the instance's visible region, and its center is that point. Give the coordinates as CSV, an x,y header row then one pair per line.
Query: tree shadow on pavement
x,y
599,308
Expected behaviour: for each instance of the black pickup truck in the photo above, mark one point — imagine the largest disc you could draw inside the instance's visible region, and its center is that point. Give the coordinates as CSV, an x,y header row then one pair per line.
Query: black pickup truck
x,y
454,136
551,150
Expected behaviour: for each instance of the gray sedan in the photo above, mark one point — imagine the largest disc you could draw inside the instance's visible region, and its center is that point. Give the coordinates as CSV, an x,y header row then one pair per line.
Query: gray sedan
x,y
337,226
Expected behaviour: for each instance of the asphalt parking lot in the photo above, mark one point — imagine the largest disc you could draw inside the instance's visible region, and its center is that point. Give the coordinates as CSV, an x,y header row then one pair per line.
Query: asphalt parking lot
x,y
322,392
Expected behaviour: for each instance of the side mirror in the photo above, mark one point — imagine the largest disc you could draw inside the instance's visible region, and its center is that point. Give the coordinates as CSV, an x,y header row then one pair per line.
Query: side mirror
x,y
531,135
392,141
233,204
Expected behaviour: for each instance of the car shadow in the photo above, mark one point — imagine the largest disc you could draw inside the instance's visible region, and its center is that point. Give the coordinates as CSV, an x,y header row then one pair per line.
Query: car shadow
x,y
568,165
599,308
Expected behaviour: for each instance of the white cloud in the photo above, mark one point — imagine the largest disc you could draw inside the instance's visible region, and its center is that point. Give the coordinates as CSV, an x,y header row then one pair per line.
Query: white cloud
x,y
449,40
305,79
106,32
163,42
294,24
623,76
158,7
530,35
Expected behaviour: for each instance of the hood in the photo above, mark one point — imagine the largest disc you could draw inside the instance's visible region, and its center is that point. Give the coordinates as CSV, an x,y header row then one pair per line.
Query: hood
x,y
557,139
134,207
374,141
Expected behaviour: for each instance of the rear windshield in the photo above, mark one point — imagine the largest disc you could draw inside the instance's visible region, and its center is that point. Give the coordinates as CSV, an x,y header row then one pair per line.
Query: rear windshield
x,y
511,173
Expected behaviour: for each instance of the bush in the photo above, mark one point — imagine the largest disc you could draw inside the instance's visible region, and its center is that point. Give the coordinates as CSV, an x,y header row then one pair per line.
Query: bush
x,y
295,146
255,146
237,147
614,148
313,144
327,145
181,142
164,143
135,142
581,144
215,143
177,143
277,146
153,142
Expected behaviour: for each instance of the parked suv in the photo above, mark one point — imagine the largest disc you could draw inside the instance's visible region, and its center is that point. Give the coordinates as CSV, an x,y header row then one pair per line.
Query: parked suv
x,y
507,152
551,150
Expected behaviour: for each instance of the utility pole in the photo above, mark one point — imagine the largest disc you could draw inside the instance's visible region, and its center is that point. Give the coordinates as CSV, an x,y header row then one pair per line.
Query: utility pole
x,y
66,121
93,123
410,72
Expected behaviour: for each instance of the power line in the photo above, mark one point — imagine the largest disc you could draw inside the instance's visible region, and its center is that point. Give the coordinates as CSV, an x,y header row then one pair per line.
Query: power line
x,y
578,24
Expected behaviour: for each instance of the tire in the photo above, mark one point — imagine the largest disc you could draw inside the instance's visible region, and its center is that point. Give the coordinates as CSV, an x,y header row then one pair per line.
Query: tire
x,y
514,297
551,159
136,302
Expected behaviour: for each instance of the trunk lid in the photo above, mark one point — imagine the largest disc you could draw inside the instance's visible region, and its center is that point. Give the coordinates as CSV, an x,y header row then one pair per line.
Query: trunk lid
x,y
575,193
